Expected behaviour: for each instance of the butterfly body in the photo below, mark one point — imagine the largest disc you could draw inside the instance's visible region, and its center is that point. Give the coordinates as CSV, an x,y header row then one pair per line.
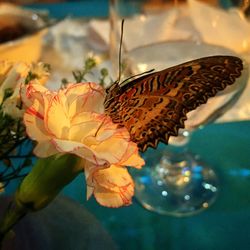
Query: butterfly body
x,y
154,107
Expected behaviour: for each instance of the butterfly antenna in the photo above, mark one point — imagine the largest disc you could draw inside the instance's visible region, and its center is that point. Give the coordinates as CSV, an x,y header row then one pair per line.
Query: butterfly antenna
x,y
140,74
120,52
120,62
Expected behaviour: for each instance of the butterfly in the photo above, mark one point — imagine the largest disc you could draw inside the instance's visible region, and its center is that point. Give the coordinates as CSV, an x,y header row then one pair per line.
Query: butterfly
x,y
153,107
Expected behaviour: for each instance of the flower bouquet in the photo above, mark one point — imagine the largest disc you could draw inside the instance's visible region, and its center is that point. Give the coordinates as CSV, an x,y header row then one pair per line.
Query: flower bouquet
x,y
71,134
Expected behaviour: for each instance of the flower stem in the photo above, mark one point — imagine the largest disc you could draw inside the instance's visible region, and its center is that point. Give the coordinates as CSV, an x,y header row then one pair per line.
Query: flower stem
x,y
46,179
11,217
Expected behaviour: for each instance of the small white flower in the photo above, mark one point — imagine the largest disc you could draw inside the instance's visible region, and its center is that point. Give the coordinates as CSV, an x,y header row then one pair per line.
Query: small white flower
x,y
12,76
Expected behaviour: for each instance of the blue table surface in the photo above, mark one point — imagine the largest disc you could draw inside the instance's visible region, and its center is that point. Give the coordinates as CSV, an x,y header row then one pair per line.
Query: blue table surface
x,y
87,8
225,225
84,8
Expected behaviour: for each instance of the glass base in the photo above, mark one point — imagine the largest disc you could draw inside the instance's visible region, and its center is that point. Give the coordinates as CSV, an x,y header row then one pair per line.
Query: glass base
x,y
178,185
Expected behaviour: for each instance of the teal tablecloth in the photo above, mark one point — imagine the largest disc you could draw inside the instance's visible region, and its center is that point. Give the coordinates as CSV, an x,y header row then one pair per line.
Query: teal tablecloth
x,y
90,8
224,226
75,8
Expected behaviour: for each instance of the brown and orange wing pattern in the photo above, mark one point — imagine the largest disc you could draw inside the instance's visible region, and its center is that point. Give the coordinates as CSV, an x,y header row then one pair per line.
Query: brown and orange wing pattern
x,y
154,107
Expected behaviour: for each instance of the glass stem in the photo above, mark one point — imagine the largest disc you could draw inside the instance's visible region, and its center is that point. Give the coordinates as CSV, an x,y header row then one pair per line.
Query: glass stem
x,y
175,166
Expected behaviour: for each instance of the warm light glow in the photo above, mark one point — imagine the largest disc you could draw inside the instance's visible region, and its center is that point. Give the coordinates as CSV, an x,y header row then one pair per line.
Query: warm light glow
x,y
245,44
205,205
142,67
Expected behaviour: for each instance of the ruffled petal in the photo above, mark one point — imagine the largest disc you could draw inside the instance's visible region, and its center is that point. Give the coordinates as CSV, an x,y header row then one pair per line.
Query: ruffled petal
x,y
115,155
84,125
109,129
132,158
113,186
85,96
56,117
32,92
90,168
65,146
45,149
110,143
34,120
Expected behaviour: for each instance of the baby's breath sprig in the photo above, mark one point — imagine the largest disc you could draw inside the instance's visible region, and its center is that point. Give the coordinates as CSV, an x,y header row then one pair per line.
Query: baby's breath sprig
x,y
37,72
13,139
104,74
31,76
88,67
79,75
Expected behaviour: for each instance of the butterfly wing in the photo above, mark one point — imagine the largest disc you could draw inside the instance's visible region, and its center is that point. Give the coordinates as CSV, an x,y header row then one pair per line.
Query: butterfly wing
x,y
154,107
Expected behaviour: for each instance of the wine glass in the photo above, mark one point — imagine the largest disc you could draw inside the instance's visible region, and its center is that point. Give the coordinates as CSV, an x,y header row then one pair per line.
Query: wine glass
x,y
174,182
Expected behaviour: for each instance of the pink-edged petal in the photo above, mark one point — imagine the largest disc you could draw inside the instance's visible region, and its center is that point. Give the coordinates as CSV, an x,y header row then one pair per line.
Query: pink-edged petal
x,y
56,118
87,116
44,149
132,158
82,88
118,148
108,198
90,168
109,129
79,149
80,131
113,148
134,161
31,92
108,142
84,125
34,120
112,177
85,96
113,186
